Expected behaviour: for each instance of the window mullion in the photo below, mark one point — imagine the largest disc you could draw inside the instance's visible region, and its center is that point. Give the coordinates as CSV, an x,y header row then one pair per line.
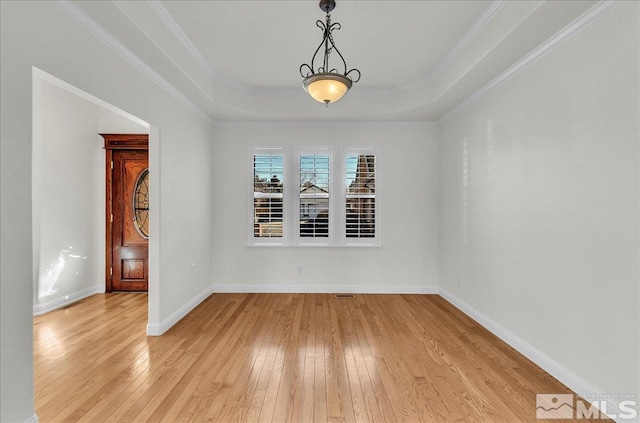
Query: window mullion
x,y
292,175
315,196
340,198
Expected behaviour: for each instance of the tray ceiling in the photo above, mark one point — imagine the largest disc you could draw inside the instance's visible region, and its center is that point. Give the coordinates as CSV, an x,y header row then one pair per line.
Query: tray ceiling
x,y
239,60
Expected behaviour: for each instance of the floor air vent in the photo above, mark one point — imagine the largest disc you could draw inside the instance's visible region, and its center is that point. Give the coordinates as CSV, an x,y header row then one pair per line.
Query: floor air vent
x,y
345,296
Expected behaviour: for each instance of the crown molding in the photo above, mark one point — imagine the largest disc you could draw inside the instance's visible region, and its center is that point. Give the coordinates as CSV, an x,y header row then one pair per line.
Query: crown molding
x,y
85,21
591,16
177,31
42,75
469,36
350,123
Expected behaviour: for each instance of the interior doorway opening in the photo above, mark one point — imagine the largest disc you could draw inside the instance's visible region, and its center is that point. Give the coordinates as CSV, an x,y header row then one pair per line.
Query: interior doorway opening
x,y
69,189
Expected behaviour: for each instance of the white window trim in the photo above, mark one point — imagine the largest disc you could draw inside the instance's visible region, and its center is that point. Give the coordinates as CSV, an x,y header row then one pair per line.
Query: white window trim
x,y
375,241
337,198
276,241
318,241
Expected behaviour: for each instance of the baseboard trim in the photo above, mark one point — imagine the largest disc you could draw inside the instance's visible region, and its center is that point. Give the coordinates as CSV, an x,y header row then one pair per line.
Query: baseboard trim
x,y
324,289
555,369
157,329
69,299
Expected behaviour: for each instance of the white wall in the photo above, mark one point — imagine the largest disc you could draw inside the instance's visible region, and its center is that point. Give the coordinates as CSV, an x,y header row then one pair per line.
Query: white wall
x,y
39,34
408,258
69,194
551,208
544,237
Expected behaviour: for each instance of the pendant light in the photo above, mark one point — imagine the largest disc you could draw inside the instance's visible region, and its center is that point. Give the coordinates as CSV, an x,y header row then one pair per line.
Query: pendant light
x,y
324,83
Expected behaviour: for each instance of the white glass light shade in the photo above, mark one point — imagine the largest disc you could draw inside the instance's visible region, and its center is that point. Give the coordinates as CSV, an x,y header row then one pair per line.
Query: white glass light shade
x,y
326,87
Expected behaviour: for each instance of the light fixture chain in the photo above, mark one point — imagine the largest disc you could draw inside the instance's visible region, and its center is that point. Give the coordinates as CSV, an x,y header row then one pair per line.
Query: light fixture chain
x,y
327,37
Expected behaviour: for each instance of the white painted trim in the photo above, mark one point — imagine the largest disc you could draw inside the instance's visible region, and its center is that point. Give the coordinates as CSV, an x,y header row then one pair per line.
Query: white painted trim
x,y
341,212
469,36
337,230
153,298
177,32
85,21
154,165
74,297
555,369
350,123
44,76
574,382
33,419
591,16
323,289
287,196
180,35
157,329
475,29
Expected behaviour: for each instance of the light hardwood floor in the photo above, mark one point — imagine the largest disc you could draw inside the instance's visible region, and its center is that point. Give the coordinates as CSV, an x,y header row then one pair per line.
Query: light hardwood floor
x,y
281,358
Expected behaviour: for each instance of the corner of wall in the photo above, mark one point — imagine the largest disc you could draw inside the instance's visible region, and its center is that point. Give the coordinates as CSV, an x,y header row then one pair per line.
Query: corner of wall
x,y
157,329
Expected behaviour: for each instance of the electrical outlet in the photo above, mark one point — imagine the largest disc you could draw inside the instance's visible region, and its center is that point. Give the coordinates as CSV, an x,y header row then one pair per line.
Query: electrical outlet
x,y
299,270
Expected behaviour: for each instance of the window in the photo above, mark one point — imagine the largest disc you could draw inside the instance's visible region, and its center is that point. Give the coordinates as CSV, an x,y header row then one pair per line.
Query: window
x,y
268,194
360,196
314,197
360,200
314,177
141,204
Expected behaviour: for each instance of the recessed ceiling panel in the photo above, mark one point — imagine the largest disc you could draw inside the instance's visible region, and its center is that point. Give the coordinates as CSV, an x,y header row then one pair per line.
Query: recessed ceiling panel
x,y
261,44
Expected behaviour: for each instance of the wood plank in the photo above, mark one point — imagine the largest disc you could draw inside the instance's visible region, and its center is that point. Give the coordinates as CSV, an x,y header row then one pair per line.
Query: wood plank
x,y
281,358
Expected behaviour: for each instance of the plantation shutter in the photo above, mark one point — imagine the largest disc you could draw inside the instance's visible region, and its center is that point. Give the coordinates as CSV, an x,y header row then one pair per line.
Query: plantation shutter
x,y
360,206
268,195
314,174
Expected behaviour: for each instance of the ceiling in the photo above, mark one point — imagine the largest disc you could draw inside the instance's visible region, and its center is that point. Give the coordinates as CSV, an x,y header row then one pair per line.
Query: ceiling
x,y
240,60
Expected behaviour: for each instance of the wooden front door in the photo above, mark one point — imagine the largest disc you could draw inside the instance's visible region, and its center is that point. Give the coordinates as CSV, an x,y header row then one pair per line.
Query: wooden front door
x,y
127,212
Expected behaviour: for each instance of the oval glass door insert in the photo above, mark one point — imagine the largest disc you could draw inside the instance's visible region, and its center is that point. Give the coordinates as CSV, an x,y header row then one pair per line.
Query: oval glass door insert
x,y
141,204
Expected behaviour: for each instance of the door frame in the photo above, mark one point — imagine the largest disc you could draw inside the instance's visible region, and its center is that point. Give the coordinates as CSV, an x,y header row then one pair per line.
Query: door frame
x,y
116,142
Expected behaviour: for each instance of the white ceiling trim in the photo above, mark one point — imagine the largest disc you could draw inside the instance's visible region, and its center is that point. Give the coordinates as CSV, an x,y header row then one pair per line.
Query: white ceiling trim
x,y
44,76
586,19
591,16
86,22
367,123
177,31
475,29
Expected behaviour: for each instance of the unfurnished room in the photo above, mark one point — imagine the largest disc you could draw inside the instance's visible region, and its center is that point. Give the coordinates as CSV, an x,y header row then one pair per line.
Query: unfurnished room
x,y
319,211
